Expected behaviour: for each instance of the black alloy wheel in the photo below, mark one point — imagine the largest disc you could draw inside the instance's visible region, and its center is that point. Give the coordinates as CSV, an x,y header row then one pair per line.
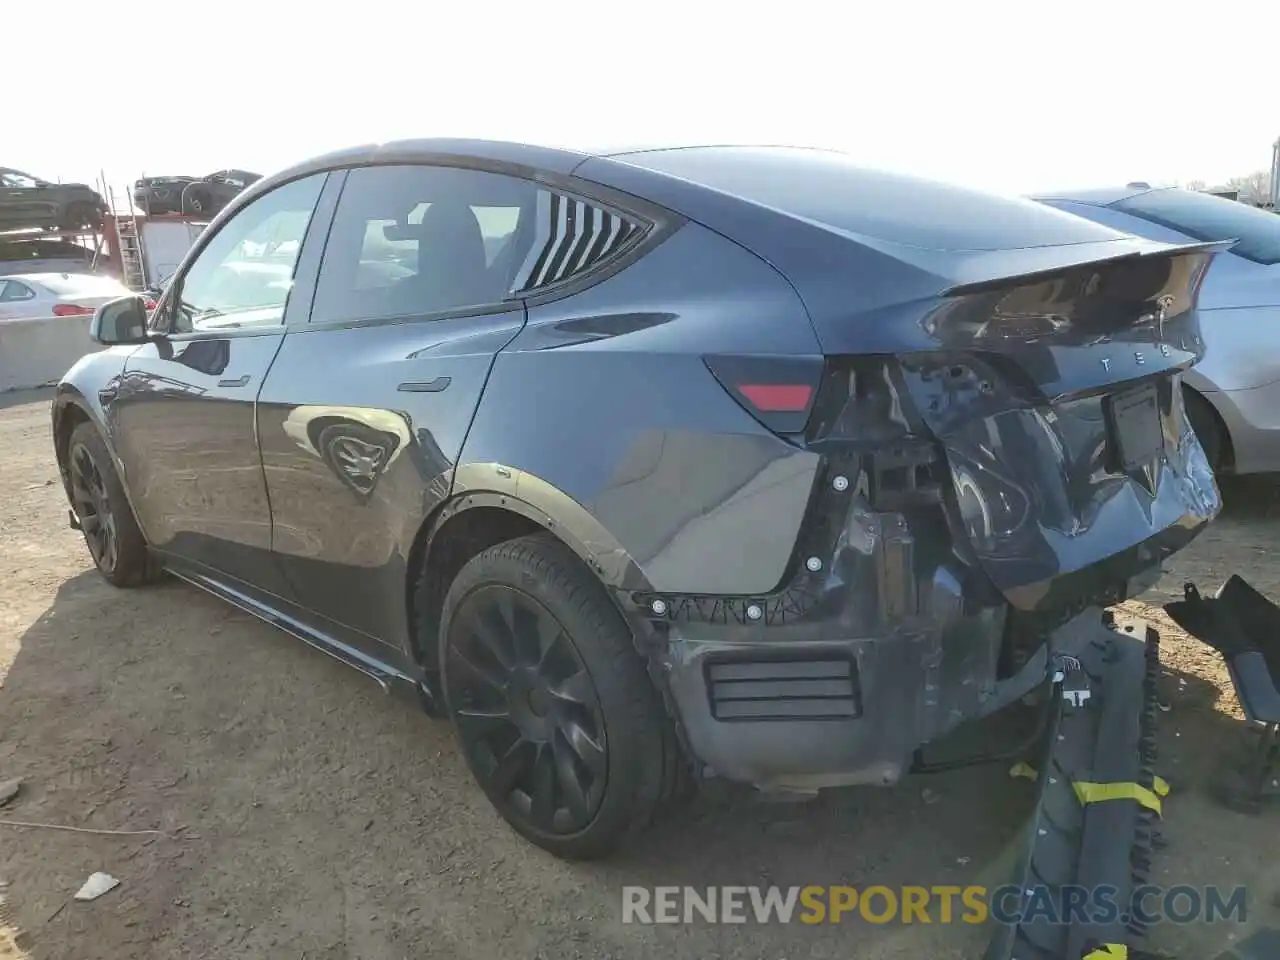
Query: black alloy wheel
x,y
110,530
552,702
93,507
528,714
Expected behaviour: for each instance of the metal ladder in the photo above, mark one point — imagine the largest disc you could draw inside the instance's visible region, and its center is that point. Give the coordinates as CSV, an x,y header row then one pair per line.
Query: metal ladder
x,y
133,264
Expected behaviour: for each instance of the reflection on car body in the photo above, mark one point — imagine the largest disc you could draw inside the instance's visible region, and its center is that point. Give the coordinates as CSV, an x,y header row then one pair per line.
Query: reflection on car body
x,y
358,444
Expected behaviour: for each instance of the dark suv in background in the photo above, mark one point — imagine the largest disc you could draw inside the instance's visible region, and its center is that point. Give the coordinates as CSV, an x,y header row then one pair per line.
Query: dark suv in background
x,y
27,202
195,195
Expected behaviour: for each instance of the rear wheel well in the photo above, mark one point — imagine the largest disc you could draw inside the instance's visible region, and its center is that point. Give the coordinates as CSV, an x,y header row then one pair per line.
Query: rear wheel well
x,y
461,537
1225,453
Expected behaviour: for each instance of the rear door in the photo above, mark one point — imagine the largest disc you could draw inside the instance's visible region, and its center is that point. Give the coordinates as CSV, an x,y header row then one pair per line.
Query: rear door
x,y
365,410
183,419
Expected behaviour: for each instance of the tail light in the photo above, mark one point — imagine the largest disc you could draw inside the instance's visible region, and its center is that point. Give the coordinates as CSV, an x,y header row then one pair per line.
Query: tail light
x,y
149,303
71,310
777,391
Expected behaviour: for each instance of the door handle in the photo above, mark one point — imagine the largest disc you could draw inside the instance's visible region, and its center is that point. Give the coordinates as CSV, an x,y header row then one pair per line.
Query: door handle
x,y
424,386
237,382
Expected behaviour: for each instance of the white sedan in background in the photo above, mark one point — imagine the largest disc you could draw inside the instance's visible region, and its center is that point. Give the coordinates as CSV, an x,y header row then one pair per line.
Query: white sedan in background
x,y
56,294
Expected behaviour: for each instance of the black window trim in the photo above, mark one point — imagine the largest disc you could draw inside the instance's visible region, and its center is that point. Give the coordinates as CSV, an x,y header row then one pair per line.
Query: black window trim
x,y
318,213
655,224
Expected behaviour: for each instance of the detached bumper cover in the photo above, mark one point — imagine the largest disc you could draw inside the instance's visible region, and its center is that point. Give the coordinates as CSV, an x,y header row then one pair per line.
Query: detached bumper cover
x,y
1095,819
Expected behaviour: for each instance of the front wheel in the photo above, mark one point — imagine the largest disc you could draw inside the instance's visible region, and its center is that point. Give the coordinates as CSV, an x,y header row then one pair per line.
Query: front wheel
x,y
78,216
106,520
195,201
554,710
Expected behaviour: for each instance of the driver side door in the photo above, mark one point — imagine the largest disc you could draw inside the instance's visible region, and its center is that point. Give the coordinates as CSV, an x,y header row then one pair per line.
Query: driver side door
x,y
184,417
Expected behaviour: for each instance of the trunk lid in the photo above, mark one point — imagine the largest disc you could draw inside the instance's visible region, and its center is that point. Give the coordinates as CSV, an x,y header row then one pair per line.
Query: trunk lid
x,y
1055,397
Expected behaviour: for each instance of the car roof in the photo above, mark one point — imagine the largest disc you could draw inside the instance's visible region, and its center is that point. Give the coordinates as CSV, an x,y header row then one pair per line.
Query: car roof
x,y
553,159
44,276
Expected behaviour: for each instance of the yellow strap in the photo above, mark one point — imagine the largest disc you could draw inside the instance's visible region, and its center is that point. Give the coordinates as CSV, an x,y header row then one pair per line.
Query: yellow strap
x,y
1098,792
1108,951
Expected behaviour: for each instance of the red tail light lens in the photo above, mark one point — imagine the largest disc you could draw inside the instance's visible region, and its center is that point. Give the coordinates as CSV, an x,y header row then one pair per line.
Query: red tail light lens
x,y
71,310
777,397
149,303
777,391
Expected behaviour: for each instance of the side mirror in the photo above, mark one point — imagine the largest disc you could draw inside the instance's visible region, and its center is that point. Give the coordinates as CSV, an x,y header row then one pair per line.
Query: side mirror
x,y
120,321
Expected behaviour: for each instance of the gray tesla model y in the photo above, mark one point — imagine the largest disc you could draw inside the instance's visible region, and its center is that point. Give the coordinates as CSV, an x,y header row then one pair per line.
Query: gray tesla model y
x,y
650,465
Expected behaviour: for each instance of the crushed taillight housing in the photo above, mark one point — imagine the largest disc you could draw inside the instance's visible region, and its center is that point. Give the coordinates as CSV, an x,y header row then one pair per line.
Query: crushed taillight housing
x,y
71,310
777,391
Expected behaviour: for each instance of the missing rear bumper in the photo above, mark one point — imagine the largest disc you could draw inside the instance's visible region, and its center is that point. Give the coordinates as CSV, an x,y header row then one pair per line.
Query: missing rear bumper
x,y
1095,819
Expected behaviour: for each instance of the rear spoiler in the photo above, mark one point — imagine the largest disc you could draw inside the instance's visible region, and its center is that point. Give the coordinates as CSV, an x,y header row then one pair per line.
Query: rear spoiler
x,y
985,272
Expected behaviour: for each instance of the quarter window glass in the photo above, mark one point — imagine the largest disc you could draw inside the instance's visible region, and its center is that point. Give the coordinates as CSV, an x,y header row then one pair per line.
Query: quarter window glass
x,y
242,278
411,240
12,290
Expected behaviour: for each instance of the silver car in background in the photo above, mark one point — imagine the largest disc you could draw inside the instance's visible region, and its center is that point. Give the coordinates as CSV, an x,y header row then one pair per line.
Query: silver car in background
x,y
25,296
1233,395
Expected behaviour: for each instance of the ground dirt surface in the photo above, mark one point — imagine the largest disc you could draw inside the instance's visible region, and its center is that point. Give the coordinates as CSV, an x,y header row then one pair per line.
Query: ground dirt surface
x,y
304,814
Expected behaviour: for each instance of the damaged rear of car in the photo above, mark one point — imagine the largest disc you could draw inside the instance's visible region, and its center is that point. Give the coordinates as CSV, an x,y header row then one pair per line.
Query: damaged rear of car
x,y
742,459
998,445
958,443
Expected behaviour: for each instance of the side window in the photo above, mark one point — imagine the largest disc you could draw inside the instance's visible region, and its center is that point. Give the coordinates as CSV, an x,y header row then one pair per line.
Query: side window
x,y
410,240
243,276
12,290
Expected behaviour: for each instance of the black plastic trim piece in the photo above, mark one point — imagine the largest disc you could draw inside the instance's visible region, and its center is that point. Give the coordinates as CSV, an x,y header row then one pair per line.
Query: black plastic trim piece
x,y
1108,738
782,687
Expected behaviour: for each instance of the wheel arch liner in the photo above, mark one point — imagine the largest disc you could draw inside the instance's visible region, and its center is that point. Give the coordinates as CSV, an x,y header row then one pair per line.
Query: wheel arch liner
x,y
524,493
70,396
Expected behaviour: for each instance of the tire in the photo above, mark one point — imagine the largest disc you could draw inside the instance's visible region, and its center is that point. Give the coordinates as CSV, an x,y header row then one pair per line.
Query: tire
x,y
571,751
195,201
1205,424
104,512
75,217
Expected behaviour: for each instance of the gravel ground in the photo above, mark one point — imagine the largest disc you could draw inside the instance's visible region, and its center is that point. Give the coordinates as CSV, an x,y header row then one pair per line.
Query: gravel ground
x,y
302,813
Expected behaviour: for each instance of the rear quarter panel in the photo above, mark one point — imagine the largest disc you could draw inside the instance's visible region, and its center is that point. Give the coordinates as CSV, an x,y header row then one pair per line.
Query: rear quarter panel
x,y
602,417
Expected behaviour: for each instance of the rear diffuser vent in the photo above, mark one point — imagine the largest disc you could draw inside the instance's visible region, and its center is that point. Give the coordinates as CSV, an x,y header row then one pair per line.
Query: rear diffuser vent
x,y
783,689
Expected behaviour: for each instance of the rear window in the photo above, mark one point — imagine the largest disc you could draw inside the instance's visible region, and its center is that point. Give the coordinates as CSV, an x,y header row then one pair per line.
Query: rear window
x,y
832,191
1206,217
